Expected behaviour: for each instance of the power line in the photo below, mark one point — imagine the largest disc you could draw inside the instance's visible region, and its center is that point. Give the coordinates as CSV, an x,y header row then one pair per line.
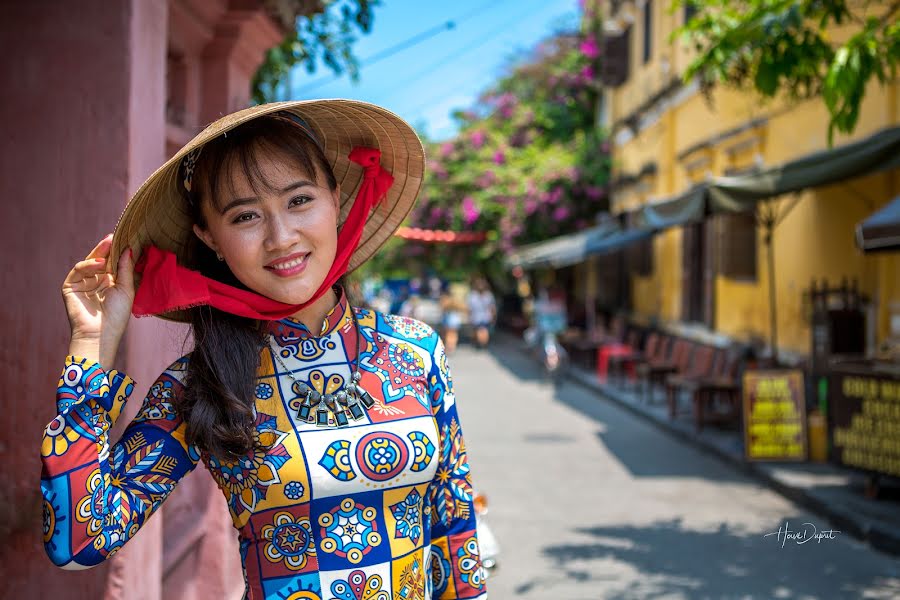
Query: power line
x,y
408,43
470,46
446,89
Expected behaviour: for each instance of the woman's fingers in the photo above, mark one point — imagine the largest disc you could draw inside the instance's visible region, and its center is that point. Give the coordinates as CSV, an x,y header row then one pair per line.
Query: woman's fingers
x,y
102,248
86,270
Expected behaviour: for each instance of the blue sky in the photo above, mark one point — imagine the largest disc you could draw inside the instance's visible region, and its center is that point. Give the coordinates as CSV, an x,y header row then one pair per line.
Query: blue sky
x,y
427,81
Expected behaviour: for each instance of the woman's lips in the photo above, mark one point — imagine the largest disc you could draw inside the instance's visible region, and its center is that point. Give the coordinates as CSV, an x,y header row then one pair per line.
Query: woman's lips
x,y
291,267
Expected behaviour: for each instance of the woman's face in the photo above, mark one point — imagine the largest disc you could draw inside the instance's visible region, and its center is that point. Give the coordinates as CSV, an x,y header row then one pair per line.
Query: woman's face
x,y
279,240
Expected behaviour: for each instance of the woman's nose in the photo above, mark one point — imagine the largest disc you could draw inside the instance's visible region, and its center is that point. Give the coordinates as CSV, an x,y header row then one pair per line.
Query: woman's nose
x,y
280,233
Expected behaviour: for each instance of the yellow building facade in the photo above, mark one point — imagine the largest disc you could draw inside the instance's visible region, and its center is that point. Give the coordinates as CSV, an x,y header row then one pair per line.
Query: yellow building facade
x,y
667,137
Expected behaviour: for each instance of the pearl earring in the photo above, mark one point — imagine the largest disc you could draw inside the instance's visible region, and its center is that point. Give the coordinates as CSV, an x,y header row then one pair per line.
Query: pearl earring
x,y
219,256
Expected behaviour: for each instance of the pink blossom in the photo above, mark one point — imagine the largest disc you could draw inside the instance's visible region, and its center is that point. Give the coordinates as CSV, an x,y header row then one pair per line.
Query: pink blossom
x,y
589,48
555,195
594,193
560,213
499,157
487,179
587,73
604,147
446,149
470,211
477,138
530,207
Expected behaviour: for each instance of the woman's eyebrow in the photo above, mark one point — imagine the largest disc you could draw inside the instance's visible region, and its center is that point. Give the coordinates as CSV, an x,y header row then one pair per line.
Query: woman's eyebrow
x,y
297,184
253,199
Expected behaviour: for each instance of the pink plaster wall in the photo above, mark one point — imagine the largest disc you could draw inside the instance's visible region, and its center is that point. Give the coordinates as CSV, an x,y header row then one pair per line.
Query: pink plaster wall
x,y
84,113
63,179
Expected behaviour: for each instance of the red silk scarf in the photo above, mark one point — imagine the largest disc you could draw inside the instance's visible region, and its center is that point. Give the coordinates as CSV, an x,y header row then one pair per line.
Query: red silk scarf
x,y
167,286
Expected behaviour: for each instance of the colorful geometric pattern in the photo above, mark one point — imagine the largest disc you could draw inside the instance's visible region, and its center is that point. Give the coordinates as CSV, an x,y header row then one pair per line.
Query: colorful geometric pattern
x,y
379,510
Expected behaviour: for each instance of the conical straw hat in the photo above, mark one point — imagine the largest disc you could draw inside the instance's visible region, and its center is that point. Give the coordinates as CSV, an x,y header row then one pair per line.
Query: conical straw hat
x,y
157,213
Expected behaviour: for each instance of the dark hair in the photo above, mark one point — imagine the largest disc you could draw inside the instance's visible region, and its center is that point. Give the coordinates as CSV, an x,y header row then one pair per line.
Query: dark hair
x,y
217,402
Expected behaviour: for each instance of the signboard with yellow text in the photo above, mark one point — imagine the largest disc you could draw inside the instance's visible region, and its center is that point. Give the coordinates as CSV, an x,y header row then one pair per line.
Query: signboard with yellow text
x,y
774,415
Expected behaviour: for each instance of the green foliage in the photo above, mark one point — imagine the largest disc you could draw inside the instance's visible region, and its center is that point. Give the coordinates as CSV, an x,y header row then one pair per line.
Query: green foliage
x,y
325,37
791,46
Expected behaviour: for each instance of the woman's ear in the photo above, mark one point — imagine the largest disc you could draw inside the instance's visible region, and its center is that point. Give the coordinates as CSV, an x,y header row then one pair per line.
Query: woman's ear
x,y
207,239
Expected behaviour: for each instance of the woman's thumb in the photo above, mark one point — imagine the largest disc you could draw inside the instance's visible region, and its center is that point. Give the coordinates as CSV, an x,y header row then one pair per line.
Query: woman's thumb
x,y
125,275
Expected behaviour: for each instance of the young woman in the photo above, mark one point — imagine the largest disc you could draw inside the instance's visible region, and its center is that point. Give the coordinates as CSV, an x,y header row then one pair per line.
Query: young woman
x,y
332,431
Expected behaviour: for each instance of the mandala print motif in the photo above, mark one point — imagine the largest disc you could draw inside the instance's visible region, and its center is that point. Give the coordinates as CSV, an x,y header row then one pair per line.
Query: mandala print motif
x,y
453,496
294,490
294,342
75,383
408,328
359,586
158,404
381,455
289,541
401,370
423,450
53,518
439,571
64,431
412,581
349,531
263,391
408,513
90,507
336,460
469,564
247,479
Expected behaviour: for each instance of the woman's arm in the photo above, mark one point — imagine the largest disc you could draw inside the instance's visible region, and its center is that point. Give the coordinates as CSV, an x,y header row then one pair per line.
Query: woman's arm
x,y
96,497
454,540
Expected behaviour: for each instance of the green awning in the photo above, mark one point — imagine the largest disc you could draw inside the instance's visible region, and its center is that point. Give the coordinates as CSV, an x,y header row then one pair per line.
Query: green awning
x,y
560,251
740,193
571,249
881,230
688,207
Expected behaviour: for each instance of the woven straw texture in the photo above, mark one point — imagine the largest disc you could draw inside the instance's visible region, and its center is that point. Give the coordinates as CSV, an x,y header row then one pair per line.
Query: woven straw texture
x,y
157,214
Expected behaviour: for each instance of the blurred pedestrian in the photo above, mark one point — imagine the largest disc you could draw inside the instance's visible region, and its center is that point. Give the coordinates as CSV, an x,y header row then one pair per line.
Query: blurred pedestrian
x,y
482,311
252,251
452,309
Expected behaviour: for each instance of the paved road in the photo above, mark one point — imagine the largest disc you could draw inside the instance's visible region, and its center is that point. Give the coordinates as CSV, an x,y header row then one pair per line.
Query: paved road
x,y
591,502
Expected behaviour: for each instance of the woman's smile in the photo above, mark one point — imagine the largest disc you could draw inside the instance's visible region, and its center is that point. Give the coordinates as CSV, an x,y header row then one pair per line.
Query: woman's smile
x,y
289,266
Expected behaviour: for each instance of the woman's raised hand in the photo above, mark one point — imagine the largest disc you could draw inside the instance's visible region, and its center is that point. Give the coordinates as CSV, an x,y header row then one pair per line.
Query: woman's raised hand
x,y
99,303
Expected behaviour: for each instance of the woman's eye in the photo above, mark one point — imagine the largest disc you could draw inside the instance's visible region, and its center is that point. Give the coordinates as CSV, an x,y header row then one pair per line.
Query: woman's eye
x,y
243,218
300,200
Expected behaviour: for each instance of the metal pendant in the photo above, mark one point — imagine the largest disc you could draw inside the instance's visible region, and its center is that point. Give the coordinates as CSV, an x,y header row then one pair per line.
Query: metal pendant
x,y
322,415
340,417
364,396
305,410
356,411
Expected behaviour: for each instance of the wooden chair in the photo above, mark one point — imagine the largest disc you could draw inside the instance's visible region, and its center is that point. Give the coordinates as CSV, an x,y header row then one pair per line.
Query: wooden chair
x,y
656,371
705,362
724,387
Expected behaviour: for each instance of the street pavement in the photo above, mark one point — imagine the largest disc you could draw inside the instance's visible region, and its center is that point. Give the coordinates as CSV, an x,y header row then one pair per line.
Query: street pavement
x,y
588,501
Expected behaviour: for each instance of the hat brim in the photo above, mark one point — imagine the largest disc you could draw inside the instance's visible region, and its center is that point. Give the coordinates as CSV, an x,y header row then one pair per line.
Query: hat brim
x,y
157,213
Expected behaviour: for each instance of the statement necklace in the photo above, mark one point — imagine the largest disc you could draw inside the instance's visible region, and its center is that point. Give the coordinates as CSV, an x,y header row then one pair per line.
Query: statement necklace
x,y
350,402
